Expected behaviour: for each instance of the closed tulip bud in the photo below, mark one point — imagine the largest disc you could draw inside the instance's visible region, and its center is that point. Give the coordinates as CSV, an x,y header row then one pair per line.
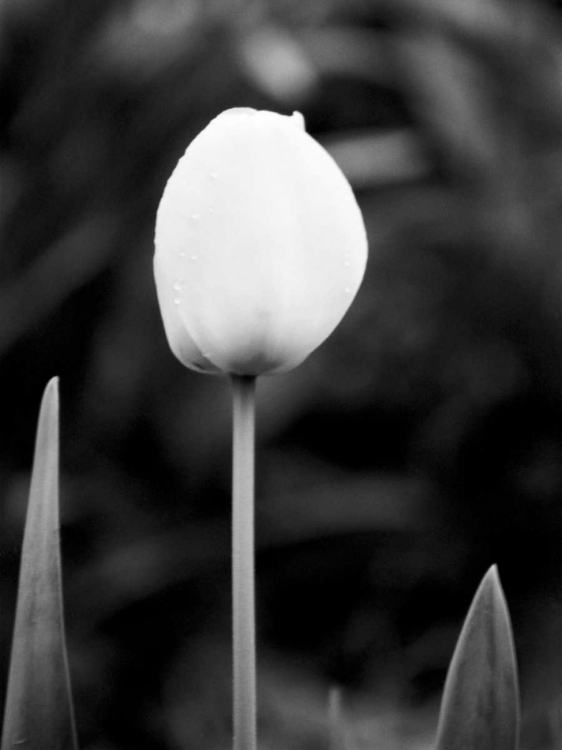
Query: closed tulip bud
x,y
260,246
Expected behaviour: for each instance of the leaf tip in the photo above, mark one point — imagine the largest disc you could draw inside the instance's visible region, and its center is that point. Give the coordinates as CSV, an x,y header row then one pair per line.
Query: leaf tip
x,y
51,389
491,588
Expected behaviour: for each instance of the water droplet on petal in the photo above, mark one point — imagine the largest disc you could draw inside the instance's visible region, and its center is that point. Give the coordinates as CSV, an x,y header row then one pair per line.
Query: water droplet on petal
x,y
348,290
182,254
178,284
194,257
194,216
213,174
177,300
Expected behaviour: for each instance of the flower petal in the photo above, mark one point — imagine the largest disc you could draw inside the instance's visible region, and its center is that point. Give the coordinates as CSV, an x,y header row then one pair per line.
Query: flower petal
x,y
262,241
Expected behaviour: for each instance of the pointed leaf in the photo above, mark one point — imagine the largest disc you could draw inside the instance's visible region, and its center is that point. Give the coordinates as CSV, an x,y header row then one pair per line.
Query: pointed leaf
x,y
38,713
480,707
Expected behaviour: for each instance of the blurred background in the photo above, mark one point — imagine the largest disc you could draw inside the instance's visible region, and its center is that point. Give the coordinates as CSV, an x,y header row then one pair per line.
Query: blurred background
x,y
420,444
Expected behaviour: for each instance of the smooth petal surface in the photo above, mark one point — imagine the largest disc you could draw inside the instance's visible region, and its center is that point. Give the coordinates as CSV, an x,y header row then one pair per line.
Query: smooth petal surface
x,y
260,246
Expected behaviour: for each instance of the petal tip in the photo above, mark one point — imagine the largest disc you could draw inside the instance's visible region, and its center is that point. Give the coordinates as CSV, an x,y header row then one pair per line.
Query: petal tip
x,y
297,118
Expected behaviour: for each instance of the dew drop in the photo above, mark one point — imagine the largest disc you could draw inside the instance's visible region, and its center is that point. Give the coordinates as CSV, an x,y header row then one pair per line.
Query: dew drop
x,y
182,253
177,300
178,284
213,174
210,209
194,257
194,216
348,290
347,263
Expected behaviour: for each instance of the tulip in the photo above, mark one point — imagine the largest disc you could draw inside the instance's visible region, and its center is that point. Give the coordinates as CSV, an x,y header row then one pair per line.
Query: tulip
x,y
260,250
260,246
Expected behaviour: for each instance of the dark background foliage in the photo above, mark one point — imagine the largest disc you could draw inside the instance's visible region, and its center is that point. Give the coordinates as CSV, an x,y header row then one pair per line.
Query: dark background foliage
x,y
420,444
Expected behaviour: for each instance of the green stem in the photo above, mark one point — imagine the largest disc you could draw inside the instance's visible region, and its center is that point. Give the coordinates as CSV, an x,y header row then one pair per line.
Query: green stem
x,y
243,574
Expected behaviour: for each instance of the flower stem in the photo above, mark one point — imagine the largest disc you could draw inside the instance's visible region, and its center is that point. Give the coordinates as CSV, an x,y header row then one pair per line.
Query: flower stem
x,y
243,574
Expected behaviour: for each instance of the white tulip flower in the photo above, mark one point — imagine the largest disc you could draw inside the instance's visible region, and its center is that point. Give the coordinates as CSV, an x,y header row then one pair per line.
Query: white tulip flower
x,y
260,246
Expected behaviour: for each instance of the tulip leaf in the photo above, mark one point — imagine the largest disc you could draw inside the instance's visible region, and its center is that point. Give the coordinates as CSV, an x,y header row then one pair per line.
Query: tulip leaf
x,y
480,706
38,713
